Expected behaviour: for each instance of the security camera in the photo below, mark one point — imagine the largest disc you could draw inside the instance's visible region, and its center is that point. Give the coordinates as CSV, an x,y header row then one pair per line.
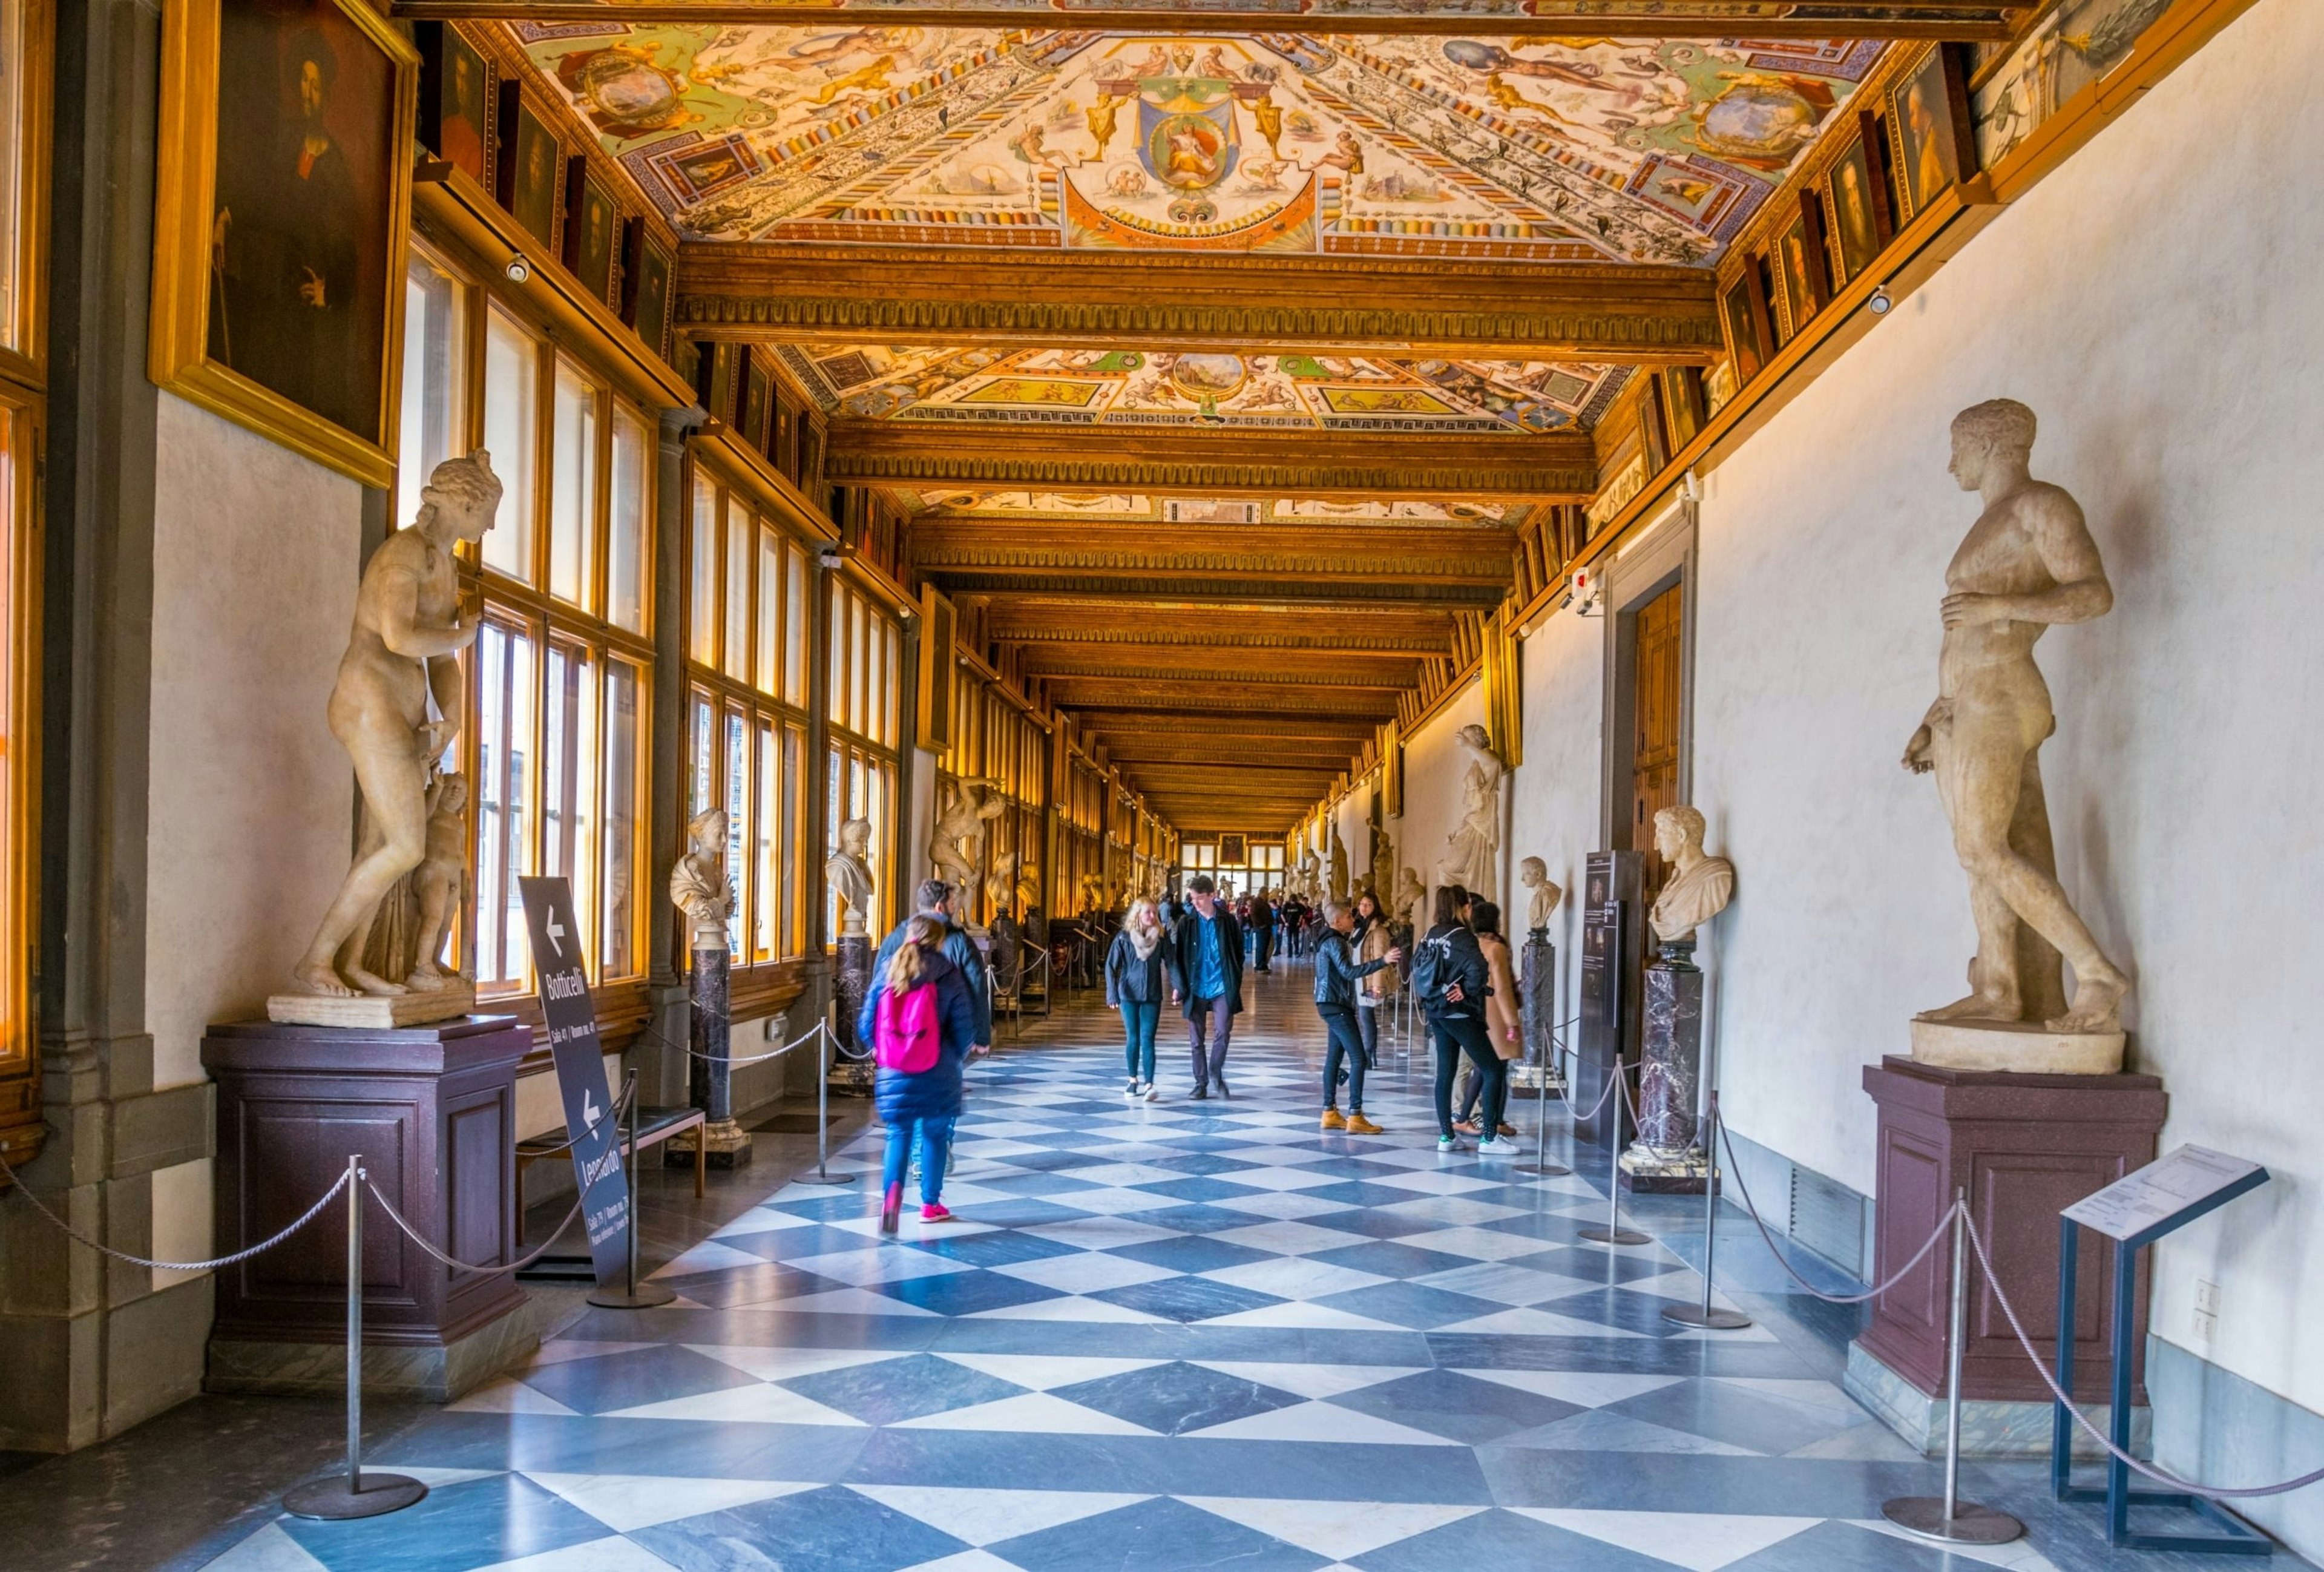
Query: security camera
x,y
830,558
517,270
1587,592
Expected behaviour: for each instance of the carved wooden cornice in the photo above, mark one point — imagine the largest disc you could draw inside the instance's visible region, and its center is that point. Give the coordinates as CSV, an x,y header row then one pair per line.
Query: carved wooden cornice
x,y
1372,465
1343,675
1152,631
763,290
1969,19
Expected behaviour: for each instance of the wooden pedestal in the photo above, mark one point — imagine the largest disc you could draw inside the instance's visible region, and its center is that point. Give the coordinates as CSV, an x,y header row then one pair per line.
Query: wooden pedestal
x,y
432,1112
2024,1147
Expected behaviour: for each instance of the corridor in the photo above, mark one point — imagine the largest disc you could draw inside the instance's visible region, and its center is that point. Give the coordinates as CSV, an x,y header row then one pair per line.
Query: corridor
x,y
1171,1335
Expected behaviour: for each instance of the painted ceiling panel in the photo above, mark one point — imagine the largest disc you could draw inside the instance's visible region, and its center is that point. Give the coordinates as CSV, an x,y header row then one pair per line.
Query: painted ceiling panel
x,y
1133,507
1585,149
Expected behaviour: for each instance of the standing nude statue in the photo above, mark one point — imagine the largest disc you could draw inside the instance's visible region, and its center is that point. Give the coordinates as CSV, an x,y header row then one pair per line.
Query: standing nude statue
x,y
408,634
2028,563
1471,849
964,809
438,880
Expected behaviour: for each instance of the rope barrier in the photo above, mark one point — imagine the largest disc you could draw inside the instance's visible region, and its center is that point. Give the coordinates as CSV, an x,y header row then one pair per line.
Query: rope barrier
x,y
2217,1492
519,1265
79,1238
620,1107
1735,1171
730,1059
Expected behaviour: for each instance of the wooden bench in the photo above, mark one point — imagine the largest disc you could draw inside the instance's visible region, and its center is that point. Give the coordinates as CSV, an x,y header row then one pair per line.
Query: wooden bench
x,y
655,1125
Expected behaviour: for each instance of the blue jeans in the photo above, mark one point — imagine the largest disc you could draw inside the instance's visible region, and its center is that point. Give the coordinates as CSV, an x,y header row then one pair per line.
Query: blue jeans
x,y
935,1135
1140,1020
1346,1046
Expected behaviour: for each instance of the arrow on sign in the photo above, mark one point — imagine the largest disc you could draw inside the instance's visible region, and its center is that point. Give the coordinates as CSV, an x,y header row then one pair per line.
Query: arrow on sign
x,y
557,935
589,1110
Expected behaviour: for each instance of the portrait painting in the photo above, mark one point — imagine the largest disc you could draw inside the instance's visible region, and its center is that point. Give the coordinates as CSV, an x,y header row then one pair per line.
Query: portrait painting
x,y
281,210
752,422
1233,849
1852,203
1799,266
1929,121
455,98
593,228
533,166
1744,345
651,316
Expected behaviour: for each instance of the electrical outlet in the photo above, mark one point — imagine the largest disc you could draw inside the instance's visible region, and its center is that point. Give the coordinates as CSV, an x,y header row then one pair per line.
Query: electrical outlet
x,y
2207,1310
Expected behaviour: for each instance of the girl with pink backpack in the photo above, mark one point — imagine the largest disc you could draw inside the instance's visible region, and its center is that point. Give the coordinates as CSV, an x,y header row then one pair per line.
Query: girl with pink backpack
x,y
921,1023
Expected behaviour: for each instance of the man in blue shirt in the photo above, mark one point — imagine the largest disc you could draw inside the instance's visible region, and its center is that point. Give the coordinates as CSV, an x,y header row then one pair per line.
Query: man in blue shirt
x,y
1205,960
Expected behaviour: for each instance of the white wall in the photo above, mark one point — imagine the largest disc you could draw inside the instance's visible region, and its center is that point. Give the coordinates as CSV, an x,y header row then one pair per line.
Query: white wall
x,y
2155,302
1431,784
250,800
1354,817
1554,808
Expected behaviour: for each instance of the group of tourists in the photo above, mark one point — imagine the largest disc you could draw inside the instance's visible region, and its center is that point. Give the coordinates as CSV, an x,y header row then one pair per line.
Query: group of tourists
x,y
1196,962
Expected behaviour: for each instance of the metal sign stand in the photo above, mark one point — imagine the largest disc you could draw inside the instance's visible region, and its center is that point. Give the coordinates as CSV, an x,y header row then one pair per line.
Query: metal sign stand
x,y
632,1295
1706,1314
1953,1520
337,1498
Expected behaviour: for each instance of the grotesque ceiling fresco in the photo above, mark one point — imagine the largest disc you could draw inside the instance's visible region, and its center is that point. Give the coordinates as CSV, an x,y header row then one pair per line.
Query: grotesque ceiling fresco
x,y
1584,149
1132,507
1151,388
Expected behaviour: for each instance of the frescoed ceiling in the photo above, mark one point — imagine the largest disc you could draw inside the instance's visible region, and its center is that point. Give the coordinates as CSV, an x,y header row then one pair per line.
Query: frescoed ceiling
x,y
1581,149
1115,506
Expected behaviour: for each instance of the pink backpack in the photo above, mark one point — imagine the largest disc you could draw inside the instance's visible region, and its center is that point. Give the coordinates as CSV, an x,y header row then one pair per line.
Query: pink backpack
x,y
904,1033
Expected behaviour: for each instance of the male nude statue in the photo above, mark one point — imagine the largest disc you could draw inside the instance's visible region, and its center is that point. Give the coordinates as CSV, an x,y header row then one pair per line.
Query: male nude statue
x,y
438,880
2028,563
408,633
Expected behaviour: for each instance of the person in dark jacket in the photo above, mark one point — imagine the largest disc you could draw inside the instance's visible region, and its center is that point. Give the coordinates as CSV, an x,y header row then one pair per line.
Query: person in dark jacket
x,y
1205,961
1136,980
920,1105
1261,925
1335,1002
1454,1005
935,901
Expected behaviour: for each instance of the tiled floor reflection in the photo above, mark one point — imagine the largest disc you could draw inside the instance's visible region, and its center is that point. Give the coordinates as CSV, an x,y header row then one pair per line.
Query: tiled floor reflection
x,y
1169,1336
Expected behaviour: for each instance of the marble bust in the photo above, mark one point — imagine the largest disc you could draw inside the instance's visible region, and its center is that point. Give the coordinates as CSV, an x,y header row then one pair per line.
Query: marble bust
x,y
699,884
849,870
1533,874
1700,885
1410,898
2027,564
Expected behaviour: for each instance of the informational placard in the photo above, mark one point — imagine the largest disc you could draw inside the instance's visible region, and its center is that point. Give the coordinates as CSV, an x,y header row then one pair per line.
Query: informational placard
x,y
2177,1187
580,1063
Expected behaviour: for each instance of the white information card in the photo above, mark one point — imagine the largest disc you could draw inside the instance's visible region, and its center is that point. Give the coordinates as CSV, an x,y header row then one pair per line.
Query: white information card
x,y
2160,1191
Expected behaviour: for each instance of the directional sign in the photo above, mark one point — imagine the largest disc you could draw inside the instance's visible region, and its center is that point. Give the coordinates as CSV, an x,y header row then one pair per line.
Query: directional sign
x,y
580,1063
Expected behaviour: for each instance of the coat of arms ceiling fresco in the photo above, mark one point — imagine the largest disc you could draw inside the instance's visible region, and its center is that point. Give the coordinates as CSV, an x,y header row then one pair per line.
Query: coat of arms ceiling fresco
x,y
1583,149
1150,388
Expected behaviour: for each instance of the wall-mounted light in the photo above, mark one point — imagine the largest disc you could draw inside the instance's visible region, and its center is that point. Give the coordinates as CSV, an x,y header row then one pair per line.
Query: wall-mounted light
x,y
1690,487
1879,303
517,270
832,559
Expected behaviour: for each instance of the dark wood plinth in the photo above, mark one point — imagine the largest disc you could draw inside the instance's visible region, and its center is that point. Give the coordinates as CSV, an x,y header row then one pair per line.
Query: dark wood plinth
x,y
2024,1147
432,1111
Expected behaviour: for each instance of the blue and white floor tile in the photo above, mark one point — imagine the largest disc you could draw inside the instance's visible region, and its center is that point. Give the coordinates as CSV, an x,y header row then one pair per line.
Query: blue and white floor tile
x,y
1167,1336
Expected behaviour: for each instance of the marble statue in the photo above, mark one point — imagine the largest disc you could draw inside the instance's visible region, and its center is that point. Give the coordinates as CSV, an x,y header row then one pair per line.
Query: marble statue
x,y
1003,880
1699,886
699,884
2027,563
1472,848
1379,870
1029,886
1409,901
849,871
963,808
1533,874
402,655
1339,869
439,881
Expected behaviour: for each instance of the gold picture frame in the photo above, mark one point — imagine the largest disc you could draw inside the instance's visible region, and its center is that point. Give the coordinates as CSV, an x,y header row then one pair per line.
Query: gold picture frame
x,y
195,270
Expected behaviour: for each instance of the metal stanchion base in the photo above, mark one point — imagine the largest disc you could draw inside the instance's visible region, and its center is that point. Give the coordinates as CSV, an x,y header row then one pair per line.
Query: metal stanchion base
x,y
1971,1523
330,1500
1716,1320
1546,1170
826,1179
644,1297
1613,1236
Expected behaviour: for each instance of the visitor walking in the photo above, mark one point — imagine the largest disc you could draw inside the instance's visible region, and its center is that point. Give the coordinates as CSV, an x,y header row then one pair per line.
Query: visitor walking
x,y
1336,979
1137,977
1261,925
922,1025
1503,1023
1373,942
933,900
1451,980
1205,960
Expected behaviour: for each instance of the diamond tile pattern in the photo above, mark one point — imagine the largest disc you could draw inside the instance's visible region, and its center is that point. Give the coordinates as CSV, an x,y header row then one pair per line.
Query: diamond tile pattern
x,y
1167,1336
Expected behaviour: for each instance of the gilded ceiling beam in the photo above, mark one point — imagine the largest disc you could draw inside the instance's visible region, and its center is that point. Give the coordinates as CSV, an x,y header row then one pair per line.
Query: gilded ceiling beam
x,y
1316,305
1555,467
1965,19
1473,594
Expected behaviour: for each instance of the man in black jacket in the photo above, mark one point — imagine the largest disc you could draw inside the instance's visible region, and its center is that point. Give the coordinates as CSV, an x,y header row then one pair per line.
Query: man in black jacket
x,y
1335,1002
1261,924
1206,979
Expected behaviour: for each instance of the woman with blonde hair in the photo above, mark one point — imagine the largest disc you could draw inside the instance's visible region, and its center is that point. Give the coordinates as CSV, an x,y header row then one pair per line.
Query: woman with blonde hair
x,y
921,1023
1137,981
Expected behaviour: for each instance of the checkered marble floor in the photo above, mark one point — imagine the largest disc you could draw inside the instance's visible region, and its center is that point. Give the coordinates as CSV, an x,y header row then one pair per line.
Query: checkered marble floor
x,y
1164,1335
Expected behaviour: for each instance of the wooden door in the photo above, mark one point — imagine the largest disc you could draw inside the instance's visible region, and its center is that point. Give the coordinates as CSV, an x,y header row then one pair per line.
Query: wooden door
x,y
1654,759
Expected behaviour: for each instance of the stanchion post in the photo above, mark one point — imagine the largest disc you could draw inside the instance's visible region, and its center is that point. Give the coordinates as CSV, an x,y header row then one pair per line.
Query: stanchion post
x,y
1613,1233
634,1296
1540,1164
336,1498
1949,1520
1707,1315
823,1174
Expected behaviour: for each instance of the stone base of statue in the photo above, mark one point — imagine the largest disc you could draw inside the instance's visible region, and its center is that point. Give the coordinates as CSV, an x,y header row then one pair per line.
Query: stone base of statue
x,y
1667,1156
431,1110
2020,1047
850,981
1008,954
2024,1147
375,1011
1540,1073
711,1082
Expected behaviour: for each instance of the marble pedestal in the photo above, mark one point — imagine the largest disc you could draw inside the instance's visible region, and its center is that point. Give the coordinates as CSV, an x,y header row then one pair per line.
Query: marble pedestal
x,y
711,1078
1667,1157
431,1110
1541,1071
851,980
2024,1147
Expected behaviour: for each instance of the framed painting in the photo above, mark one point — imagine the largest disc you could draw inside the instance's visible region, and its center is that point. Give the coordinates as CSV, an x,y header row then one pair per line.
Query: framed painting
x,y
751,420
455,111
24,80
1804,285
651,316
1857,212
593,229
1738,311
1233,849
933,724
1929,130
530,167
283,195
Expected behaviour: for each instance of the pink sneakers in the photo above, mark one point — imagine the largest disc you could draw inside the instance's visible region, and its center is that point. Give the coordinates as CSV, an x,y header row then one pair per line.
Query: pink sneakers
x,y
936,1212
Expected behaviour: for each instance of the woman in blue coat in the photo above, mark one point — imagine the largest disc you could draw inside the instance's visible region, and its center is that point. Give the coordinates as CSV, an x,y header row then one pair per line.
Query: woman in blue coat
x,y
920,1103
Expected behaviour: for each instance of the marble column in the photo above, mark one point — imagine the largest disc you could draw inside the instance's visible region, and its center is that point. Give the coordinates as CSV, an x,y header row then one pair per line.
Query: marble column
x,y
1666,1156
850,981
1538,1014
728,1144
